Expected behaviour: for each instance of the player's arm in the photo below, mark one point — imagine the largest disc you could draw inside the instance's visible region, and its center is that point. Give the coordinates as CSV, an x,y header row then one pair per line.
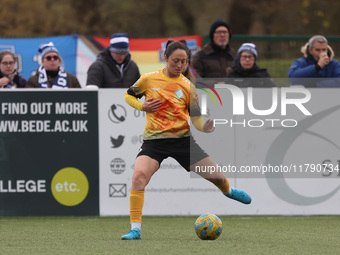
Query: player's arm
x,y
133,101
197,119
195,113
202,125
134,93
150,105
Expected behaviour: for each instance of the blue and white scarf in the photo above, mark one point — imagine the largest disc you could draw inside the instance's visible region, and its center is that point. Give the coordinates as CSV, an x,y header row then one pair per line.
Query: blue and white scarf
x,y
60,82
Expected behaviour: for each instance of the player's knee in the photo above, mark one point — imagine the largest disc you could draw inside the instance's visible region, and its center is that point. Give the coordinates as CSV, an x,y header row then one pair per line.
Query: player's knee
x,y
139,179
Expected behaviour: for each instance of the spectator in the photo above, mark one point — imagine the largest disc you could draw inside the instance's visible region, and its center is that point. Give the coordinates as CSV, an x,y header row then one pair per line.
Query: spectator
x,y
245,66
114,67
9,77
51,73
216,56
318,63
188,70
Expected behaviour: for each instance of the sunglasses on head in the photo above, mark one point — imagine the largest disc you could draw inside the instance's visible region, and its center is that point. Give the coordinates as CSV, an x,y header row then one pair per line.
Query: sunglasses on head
x,y
49,58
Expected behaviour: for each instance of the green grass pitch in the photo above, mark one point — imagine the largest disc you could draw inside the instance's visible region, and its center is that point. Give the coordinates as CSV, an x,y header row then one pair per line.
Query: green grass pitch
x,y
169,235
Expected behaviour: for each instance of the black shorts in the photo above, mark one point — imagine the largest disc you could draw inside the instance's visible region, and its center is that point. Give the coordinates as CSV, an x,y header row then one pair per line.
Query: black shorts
x,y
185,150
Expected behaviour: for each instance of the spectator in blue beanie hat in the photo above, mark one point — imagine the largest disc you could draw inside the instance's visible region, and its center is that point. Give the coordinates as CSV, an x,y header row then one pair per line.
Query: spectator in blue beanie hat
x,y
119,43
245,66
248,47
114,67
51,73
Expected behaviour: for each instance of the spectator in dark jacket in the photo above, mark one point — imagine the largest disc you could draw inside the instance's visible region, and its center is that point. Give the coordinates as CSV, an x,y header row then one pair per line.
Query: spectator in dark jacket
x,y
9,77
245,66
114,67
316,65
216,56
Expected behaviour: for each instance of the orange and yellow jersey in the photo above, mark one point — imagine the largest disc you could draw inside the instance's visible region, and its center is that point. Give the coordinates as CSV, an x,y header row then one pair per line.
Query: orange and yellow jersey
x,y
171,120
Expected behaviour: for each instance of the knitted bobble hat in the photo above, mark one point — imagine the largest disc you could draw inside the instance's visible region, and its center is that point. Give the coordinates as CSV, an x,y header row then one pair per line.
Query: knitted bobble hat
x,y
47,48
219,22
119,43
249,47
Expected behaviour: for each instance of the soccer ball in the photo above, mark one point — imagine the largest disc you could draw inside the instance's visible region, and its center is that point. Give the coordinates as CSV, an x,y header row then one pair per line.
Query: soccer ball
x,y
208,226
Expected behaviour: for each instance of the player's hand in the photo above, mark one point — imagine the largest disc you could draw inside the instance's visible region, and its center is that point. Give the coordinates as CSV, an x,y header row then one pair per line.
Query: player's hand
x,y
208,126
323,59
151,105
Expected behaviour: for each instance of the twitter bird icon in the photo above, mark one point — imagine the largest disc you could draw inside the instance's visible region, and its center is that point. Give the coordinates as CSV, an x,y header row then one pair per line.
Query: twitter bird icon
x,y
117,142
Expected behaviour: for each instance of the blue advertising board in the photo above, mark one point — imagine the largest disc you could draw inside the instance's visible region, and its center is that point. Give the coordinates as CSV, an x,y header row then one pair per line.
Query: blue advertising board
x,y
28,57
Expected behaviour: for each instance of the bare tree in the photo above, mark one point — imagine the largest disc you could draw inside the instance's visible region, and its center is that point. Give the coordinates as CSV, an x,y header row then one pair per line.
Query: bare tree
x,y
166,17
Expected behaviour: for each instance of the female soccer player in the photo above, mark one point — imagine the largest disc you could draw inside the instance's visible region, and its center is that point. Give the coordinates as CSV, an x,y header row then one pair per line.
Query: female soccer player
x,y
169,98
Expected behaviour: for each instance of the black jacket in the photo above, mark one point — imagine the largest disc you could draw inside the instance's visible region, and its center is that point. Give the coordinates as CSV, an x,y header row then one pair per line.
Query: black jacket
x,y
212,61
253,77
105,74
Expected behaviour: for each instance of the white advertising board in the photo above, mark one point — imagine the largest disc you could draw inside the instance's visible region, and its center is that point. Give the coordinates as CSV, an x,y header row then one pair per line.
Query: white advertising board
x,y
313,144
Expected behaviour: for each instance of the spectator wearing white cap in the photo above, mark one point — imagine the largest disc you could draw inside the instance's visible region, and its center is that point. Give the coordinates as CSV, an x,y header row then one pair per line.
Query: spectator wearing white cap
x,y
114,67
51,73
245,66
